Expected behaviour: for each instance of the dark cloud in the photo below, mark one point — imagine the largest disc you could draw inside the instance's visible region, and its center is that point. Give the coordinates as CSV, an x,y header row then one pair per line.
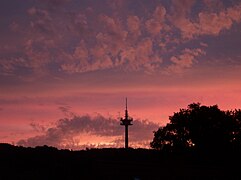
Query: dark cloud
x,y
62,135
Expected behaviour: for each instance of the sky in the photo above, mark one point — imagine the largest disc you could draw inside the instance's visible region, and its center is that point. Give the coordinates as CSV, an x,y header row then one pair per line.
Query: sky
x,y
66,67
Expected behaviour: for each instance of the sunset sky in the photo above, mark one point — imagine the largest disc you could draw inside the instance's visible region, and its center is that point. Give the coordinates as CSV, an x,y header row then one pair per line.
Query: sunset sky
x,y
66,67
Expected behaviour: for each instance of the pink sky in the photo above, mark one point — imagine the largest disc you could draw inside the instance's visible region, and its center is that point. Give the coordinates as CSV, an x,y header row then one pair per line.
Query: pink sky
x,y
80,59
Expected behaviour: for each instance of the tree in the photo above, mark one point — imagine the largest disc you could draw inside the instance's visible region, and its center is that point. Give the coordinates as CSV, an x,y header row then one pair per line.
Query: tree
x,y
199,127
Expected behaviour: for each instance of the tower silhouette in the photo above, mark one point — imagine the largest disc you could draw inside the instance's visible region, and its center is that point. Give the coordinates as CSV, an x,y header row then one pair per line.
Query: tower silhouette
x,y
127,121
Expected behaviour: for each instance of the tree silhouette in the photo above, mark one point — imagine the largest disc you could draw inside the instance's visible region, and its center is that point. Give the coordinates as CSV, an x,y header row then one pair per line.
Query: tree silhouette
x,y
199,127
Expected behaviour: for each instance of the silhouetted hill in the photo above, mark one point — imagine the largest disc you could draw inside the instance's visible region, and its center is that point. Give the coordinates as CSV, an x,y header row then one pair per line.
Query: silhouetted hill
x,y
50,163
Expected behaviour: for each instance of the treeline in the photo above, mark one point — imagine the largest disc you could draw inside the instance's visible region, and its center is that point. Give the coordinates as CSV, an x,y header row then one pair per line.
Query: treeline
x,y
50,163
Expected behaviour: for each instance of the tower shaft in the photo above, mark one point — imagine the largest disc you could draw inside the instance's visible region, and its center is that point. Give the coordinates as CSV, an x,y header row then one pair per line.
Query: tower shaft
x,y
126,136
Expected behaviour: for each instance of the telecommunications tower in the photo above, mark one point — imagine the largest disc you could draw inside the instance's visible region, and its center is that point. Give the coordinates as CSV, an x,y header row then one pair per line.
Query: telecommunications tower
x,y
127,121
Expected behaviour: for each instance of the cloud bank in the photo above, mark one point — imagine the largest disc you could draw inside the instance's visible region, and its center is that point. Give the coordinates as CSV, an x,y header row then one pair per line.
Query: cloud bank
x,y
57,38
68,131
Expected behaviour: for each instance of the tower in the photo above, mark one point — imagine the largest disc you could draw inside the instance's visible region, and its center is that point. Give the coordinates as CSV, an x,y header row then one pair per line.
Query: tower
x,y
127,121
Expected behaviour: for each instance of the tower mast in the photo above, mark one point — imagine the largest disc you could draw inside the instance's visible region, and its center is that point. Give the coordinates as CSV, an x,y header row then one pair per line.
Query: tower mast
x,y
127,121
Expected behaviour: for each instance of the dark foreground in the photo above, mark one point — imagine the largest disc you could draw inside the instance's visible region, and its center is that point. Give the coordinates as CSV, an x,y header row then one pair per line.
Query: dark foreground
x,y
49,163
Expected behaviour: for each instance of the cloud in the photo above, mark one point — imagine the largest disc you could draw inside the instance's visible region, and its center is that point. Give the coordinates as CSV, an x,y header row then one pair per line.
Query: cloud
x,y
203,44
214,4
115,4
207,23
89,39
180,13
213,23
113,36
66,111
37,127
134,25
155,24
53,3
14,65
235,13
42,22
64,133
153,27
38,37
32,11
185,60
117,47
14,26
78,61
141,57
181,8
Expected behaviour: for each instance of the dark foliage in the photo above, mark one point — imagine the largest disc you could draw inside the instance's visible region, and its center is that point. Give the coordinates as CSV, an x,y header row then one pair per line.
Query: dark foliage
x,y
49,163
200,128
